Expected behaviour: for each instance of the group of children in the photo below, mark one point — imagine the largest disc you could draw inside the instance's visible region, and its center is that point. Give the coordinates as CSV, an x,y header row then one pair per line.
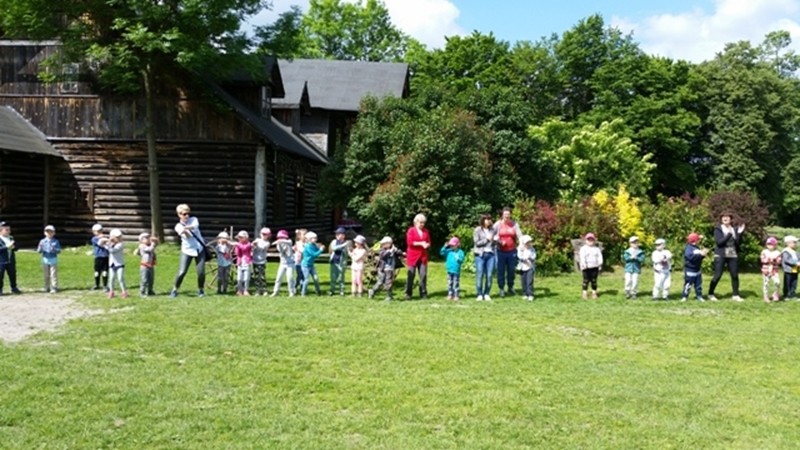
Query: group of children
x,y
772,261
297,264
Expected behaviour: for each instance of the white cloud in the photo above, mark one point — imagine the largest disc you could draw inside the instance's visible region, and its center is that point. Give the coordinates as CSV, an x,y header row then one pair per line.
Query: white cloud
x,y
697,35
428,21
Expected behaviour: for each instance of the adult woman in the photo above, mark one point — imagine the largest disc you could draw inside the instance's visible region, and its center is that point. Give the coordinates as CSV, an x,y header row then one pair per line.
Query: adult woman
x,y
418,241
507,235
483,239
192,247
727,240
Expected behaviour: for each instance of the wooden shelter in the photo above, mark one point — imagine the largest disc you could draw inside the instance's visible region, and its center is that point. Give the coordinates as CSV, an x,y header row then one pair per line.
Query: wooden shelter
x,y
226,156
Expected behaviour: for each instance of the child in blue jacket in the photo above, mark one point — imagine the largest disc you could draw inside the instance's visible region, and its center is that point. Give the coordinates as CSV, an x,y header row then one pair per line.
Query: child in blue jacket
x,y
311,251
693,267
633,257
454,257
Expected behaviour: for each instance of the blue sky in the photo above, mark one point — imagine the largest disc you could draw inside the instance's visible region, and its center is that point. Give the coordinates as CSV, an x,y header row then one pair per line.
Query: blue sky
x,y
682,29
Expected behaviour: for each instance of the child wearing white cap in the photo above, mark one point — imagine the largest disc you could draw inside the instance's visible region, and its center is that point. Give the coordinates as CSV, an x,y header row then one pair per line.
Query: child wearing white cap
x,y
286,266
147,264
590,259
224,251
260,250
116,262
100,258
770,269
633,257
311,251
662,270
526,257
789,264
387,263
49,248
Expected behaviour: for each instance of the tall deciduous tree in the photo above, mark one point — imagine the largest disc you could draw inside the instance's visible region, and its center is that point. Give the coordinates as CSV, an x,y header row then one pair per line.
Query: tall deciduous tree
x,y
591,158
751,123
336,29
134,44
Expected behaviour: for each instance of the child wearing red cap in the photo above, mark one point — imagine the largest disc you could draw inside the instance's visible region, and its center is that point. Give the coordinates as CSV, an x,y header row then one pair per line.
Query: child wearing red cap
x,y
770,269
590,260
693,267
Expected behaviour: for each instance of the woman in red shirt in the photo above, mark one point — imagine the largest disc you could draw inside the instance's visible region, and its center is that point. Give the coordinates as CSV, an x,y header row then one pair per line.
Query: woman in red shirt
x,y
507,235
418,241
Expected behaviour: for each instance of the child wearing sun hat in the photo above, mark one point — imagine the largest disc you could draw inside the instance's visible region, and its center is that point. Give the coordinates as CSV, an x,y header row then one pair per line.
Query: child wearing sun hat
x,y
662,270
590,260
770,269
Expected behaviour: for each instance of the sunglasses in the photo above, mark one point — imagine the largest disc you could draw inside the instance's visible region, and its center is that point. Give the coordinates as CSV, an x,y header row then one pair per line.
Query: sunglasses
x,y
183,214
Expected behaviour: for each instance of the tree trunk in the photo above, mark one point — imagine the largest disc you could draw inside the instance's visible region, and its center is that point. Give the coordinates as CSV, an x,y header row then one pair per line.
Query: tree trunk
x,y
156,221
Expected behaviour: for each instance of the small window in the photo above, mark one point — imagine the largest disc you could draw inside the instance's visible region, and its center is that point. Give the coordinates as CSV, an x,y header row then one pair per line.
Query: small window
x,y
300,197
69,78
82,199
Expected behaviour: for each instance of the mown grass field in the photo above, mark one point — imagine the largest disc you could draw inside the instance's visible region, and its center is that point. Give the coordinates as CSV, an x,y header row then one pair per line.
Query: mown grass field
x,y
341,373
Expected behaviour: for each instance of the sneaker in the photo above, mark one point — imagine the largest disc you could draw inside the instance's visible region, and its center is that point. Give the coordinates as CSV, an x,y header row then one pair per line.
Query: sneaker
x,y
110,294
479,298
201,293
17,291
627,295
486,298
502,293
124,294
450,297
511,292
291,294
96,288
701,299
54,291
584,295
775,297
371,293
683,299
456,299
713,298
529,298
736,298
594,295
273,294
151,293
173,293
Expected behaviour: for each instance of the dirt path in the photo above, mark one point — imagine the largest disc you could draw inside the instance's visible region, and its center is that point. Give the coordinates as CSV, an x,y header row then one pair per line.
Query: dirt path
x,y
24,315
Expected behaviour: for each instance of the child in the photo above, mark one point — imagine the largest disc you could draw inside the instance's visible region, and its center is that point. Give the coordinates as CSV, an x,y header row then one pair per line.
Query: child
x,y
286,267
49,247
244,258
387,263
590,260
633,258
693,267
454,257
260,249
100,258
224,251
299,245
770,266
8,258
526,257
147,263
116,262
358,255
311,251
789,263
662,270
338,262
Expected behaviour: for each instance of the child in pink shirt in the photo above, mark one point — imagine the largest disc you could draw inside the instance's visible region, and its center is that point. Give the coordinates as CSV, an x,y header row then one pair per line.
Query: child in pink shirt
x,y
244,259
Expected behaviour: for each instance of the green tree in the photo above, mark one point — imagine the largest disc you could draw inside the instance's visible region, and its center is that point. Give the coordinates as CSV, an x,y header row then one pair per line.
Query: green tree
x,y
752,111
139,45
336,29
590,159
404,159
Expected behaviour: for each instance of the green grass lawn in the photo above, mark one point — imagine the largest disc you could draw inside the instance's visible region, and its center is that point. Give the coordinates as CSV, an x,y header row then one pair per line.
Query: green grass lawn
x,y
319,372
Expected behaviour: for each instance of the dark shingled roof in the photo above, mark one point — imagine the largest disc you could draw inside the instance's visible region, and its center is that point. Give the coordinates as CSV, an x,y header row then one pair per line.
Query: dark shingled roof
x,y
272,130
340,85
18,134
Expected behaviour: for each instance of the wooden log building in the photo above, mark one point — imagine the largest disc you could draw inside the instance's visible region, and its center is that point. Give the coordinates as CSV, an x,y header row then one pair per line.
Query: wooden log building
x,y
227,157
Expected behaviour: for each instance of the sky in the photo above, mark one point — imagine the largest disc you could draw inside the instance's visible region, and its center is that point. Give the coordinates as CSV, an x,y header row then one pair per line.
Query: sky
x,y
693,30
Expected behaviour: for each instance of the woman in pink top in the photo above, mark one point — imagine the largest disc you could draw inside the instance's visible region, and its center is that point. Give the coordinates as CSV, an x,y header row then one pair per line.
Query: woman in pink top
x,y
507,235
418,241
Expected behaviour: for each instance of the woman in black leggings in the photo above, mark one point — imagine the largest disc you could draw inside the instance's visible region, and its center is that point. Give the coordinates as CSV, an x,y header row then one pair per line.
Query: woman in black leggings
x,y
727,240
